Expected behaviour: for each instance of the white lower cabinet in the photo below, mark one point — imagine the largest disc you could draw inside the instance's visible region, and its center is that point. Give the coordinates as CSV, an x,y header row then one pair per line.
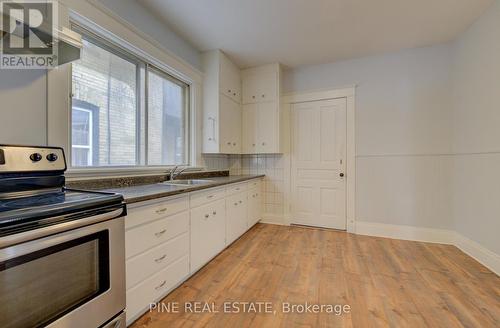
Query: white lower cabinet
x,y
155,288
155,233
167,240
236,216
208,233
254,206
142,266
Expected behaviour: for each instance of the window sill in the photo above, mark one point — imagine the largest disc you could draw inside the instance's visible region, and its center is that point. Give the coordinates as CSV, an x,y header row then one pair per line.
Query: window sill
x,y
74,174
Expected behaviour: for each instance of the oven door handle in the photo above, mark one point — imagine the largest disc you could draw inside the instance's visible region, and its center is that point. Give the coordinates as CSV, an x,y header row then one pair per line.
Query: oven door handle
x,y
57,228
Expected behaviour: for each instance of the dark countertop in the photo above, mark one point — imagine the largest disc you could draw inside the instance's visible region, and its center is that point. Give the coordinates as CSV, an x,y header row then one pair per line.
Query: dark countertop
x,y
142,193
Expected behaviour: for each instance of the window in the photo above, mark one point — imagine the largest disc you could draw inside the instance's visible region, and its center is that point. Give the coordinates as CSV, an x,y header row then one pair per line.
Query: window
x,y
167,133
125,112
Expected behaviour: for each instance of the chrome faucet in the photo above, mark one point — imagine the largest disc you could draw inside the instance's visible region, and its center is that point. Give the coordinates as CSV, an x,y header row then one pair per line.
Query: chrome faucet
x,y
174,173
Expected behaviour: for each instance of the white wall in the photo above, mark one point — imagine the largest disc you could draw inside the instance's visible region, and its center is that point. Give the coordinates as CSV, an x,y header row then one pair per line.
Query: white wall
x,y
23,107
476,131
403,132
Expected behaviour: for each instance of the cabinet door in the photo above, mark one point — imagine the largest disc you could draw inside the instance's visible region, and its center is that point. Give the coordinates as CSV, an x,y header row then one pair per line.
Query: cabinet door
x,y
267,87
250,89
267,121
208,232
256,211
230,126
252,207
258,205
236,216
249,123
236,128
230,79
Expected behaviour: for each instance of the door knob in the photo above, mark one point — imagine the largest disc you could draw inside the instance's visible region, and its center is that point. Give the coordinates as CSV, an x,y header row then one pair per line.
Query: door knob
x,y
341,175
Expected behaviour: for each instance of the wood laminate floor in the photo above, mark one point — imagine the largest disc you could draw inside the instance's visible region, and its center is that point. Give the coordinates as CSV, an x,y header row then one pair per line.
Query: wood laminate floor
x,y
386,282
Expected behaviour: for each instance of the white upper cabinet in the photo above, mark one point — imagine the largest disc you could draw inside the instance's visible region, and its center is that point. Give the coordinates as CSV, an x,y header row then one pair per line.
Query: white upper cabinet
x,y
221,104
241,109
249,128
267,128
260,85
263,121
230,120
230,79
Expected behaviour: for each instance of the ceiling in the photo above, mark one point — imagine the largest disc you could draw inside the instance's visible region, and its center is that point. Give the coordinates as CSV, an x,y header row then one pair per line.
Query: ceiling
x,y
303,32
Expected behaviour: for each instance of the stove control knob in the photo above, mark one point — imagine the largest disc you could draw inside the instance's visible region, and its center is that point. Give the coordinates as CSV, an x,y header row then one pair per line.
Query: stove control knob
x,y
52,157
36,157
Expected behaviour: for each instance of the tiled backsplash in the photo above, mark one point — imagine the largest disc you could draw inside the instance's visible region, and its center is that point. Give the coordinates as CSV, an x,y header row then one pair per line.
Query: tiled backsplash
x,y
270,165
216,162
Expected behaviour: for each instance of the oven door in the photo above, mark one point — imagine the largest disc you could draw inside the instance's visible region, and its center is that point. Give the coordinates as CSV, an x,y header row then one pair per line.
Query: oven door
x,y
70,279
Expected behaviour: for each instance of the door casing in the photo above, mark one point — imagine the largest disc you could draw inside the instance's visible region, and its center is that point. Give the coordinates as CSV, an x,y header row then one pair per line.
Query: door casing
x,y
349,93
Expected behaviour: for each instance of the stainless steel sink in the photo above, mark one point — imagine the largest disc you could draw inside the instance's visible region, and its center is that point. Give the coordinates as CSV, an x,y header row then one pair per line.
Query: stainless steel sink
x,y
190,182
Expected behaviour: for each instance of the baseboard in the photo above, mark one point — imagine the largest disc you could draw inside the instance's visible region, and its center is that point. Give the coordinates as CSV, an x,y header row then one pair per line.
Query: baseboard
x,y
273,219
478,252
394,231
475,250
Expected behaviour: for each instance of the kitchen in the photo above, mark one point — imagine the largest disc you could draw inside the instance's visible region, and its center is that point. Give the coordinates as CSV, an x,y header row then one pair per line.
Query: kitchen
x,y
178,164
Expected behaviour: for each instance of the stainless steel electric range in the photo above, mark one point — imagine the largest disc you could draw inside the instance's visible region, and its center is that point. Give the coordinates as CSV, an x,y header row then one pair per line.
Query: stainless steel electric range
x,y
62,252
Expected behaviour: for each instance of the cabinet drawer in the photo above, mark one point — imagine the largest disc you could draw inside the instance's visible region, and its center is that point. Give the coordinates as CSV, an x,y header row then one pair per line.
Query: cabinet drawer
x,y
253,193
254,184
154,210
144,237
154,288
236,188
204,197
154,260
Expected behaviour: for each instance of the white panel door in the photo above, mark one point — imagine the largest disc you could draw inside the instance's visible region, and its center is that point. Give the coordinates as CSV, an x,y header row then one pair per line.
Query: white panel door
x,y
318,163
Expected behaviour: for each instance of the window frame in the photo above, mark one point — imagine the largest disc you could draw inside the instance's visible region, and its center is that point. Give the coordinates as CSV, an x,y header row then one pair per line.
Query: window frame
x,y
143,65
90,146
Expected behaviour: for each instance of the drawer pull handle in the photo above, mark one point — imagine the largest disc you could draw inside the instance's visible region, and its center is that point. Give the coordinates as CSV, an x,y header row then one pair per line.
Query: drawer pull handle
x,y
241,201
161,285
211,196
163,210
235,204
158,260
207,216
214,212
160,233
237,188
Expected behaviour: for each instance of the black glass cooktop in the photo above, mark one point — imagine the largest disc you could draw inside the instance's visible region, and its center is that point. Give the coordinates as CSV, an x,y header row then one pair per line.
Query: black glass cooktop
x,y
19,209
